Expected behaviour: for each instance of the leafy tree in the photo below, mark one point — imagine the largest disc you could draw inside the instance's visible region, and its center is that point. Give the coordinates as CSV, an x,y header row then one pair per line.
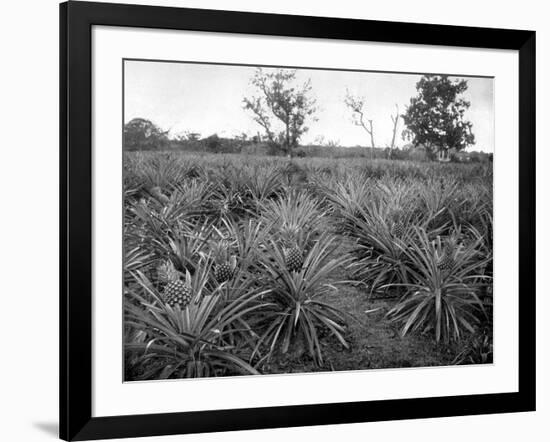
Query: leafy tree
x,y
192,136
142,134
281,102
213,143
435,117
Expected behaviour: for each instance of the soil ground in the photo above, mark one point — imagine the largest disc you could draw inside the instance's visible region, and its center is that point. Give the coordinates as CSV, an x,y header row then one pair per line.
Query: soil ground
x,y
373,341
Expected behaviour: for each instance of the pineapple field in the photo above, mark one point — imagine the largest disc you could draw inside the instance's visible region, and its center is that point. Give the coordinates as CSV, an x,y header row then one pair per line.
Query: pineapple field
x,y
245,265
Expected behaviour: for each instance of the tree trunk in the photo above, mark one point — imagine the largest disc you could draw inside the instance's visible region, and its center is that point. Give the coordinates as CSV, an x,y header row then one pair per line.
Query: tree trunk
x,y
395,120
371,133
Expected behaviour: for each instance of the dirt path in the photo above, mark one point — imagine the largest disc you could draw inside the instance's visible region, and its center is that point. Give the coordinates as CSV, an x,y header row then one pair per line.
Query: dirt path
x,y
374,341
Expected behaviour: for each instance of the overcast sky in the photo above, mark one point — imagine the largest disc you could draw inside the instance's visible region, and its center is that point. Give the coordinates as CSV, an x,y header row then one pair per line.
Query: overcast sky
x,y
207,99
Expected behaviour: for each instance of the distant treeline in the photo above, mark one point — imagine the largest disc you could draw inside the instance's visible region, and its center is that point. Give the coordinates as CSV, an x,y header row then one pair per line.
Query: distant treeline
x,y
142,135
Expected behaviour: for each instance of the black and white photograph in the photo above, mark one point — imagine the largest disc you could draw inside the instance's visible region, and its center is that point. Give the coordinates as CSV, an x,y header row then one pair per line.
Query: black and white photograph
x,y
286,220
275,221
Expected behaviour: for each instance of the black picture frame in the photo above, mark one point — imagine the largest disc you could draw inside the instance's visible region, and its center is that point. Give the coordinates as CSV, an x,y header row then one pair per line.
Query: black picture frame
x,y
76,21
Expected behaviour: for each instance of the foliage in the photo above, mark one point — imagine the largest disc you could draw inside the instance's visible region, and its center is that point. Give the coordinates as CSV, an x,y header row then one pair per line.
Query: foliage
x,y
263,183
443,300
298,240
478,351
295,214
199,340
435,117
142,134
213,143
295,313
280,101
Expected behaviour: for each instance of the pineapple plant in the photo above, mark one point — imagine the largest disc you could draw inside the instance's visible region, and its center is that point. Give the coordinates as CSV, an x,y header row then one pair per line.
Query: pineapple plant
x,y
210,337
293,304
436,298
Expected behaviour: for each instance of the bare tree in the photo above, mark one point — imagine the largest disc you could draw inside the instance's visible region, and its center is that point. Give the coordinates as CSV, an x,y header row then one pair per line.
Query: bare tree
x,y
395,120
281,100
357,105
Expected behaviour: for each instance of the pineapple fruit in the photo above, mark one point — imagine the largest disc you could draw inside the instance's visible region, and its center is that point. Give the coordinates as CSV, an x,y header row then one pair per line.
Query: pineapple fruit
x,y
294,258
293,254
398,229
223,272
177,292
225,263
446,262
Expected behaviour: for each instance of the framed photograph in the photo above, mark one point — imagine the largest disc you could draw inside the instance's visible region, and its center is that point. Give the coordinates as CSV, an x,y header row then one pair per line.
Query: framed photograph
x,y
273,221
